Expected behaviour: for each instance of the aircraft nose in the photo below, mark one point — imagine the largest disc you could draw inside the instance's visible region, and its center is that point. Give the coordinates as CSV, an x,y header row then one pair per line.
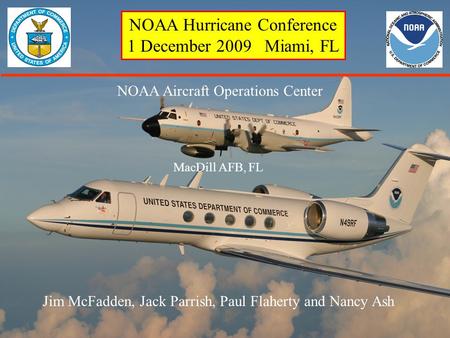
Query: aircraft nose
x,y
45,218
151,126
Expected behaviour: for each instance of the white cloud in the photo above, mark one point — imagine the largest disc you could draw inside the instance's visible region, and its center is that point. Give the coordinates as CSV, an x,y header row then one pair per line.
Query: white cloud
x,y
271,322
251,275
129,283
54,322
191,322
2,318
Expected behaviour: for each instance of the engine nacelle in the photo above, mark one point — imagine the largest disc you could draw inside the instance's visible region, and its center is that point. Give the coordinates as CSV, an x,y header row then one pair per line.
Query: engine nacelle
x,y
198,150
276,190
339,221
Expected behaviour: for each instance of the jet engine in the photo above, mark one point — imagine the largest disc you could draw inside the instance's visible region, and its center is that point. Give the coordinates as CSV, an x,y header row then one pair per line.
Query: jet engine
x,y
339,221
281,191
198,150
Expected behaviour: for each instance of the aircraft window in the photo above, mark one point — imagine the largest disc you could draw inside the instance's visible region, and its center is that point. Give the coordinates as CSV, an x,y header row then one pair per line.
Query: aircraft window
x,y
250,221
230,219
209,218
85,194
173,110
269,222
105,197
239,126
173,116
198,123
296,132
164,114
188,216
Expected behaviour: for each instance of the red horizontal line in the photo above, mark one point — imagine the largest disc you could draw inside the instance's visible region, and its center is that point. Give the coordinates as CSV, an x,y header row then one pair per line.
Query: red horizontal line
x,y
225,74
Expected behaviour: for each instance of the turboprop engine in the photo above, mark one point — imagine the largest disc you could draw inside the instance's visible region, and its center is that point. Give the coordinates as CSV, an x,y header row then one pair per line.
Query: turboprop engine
x,y
198,150
339,221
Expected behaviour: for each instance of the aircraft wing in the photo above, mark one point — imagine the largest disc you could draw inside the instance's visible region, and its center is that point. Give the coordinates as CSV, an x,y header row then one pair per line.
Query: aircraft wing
x,y
300,147
281,259
351,129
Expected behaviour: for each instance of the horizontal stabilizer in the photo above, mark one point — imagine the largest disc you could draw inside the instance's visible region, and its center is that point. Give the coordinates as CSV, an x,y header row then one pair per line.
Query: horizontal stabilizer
x,y
421,151
261,255
132,118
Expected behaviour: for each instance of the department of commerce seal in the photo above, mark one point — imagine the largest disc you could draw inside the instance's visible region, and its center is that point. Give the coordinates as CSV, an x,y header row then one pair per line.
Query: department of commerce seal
x,y
39,37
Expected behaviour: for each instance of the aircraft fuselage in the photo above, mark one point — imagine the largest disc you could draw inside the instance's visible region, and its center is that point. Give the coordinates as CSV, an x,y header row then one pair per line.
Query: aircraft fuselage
x,y
202,218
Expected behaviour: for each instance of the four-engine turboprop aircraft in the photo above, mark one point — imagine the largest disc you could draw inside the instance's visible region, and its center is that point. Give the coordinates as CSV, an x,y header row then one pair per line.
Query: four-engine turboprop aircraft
x,y
272,224
205,130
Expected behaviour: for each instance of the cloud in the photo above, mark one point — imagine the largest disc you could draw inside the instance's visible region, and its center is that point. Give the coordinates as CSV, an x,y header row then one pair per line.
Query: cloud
x,y
193,321
55,322
141,322
2,318
128,284
271,322
251,275
423,256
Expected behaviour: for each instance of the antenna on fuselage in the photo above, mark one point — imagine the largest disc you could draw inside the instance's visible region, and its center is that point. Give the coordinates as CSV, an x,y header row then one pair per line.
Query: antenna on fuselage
x,y
190,105
195,181
147,180
164,180
181,248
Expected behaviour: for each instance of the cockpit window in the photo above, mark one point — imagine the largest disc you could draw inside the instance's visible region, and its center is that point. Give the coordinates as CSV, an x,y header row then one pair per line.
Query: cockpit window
x,y
85,194
173,116
105,197
163,114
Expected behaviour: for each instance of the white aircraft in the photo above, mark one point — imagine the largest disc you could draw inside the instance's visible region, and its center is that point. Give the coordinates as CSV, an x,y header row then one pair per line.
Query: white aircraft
x,y
271,224
204,130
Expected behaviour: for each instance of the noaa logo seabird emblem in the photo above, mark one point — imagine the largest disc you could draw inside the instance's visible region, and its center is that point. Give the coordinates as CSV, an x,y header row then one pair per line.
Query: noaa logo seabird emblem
x,y
414,39
396,198
39,37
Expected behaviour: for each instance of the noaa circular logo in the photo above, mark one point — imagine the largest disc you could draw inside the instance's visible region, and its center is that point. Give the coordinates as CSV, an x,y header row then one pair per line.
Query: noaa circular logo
x,y
340,109
414,39
39,37
396,198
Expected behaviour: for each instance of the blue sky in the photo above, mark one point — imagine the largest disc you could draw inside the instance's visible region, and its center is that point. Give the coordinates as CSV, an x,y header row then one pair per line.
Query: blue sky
x,y
56,134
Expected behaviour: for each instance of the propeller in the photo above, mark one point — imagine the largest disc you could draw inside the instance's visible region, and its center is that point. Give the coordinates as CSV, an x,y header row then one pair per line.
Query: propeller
x,y
256,136
228,133
161,102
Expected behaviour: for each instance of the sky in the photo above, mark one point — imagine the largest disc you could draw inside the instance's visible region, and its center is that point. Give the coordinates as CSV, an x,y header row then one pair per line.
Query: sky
x,y
58,133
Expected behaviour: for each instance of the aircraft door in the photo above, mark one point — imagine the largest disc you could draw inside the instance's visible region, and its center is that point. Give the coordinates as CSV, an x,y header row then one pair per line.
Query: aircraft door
x,y
126,214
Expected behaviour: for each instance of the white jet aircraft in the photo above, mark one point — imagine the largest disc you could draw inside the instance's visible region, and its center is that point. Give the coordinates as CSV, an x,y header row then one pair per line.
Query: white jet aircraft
x,y
205,130
271,224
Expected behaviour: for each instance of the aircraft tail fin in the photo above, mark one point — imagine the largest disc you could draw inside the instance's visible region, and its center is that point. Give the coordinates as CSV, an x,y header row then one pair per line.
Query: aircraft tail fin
x,y
339,111
400,191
